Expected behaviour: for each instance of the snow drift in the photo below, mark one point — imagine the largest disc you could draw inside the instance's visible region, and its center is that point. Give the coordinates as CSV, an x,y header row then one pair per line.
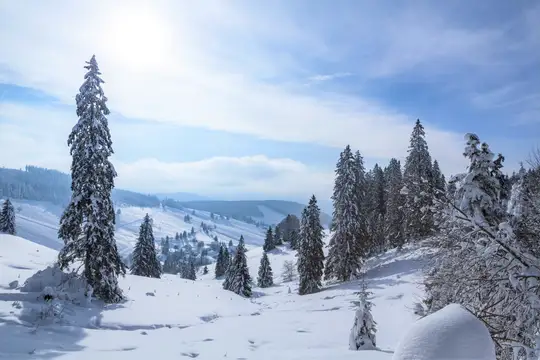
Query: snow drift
x,y
451,333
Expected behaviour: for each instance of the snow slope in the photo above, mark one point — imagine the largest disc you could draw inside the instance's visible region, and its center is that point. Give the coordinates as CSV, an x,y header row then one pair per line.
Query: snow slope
x,y
38,221
173,318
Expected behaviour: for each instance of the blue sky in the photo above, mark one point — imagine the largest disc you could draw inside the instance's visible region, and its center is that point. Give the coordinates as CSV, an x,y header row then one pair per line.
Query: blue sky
x,y
247,99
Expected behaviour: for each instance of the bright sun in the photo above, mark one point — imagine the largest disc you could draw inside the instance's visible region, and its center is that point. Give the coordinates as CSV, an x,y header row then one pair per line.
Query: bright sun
x,y
138,37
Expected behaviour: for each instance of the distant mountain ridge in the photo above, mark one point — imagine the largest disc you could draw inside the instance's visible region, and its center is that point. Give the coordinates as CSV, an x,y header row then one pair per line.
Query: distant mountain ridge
x,y
182,196
270,211
41,184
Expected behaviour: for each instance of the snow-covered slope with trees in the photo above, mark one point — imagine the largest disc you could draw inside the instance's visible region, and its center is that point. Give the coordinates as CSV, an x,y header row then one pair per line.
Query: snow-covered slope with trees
x,y
174,318
38,221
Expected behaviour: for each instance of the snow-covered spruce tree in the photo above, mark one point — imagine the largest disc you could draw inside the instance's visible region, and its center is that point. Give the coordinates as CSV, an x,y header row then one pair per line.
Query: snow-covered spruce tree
x,y
278,239
362,336
165,247
310,253
87,224
238,279
483,262
220,263
375,208
145,261
191,272
226,258
439,182
205,270
418,179
7,218
527,211
346,246
361,194
394,230
265,278
294,238
269,243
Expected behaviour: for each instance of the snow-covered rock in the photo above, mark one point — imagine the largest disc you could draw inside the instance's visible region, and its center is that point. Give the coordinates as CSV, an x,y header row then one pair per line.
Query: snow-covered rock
x,y
452,333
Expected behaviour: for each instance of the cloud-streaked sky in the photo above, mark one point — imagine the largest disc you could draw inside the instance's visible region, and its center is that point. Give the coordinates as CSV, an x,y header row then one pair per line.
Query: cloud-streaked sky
x,y
244,99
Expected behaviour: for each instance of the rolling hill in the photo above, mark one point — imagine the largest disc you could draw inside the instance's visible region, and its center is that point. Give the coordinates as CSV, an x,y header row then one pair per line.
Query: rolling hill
x,y
268,211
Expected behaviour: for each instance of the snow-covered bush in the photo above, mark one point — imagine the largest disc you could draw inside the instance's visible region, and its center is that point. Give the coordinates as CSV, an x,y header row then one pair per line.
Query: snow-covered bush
x,y
451,333
64,286
487,259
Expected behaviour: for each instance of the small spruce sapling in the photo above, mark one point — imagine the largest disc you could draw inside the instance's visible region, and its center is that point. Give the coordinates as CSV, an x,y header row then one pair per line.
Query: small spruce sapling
x,y
7,218
362,336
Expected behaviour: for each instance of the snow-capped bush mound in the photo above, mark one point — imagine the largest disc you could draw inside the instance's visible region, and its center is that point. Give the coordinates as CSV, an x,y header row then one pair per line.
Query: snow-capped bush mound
x,y
451,333
65,286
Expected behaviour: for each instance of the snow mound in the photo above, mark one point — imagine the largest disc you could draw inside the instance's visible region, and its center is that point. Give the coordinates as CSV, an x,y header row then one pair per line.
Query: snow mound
x,y
451,333
65,286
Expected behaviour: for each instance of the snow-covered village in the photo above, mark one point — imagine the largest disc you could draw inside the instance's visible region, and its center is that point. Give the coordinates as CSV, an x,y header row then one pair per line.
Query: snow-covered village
x,y
269,180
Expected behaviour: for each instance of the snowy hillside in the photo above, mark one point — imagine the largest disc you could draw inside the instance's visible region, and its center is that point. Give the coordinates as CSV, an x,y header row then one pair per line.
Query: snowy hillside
x,y
38,221
173,318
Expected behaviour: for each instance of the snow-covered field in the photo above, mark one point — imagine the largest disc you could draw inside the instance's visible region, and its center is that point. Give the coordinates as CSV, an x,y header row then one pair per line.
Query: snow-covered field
x,y
173,318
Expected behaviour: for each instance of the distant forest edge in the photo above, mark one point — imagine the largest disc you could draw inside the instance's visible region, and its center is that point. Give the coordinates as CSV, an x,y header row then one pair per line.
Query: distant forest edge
x,y
41,184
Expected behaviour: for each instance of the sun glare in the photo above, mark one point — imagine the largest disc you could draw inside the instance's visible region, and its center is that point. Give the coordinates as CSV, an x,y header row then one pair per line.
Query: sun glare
x,y
139,38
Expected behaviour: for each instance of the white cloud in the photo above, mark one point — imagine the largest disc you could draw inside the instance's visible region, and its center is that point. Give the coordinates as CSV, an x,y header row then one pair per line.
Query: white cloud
x,y
328,77
34,136
227,177
188,83
26,138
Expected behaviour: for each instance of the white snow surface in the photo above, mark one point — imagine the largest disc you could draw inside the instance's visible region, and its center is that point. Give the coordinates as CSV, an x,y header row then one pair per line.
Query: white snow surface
x,y
173,318
451,333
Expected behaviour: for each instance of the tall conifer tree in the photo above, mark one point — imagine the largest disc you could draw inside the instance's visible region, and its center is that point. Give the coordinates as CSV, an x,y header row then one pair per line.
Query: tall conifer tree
x,y
418,178
360,195
269,242
145,261
394,230
278,239
375,210
220,270
87,225
238,279
310,253
346,247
